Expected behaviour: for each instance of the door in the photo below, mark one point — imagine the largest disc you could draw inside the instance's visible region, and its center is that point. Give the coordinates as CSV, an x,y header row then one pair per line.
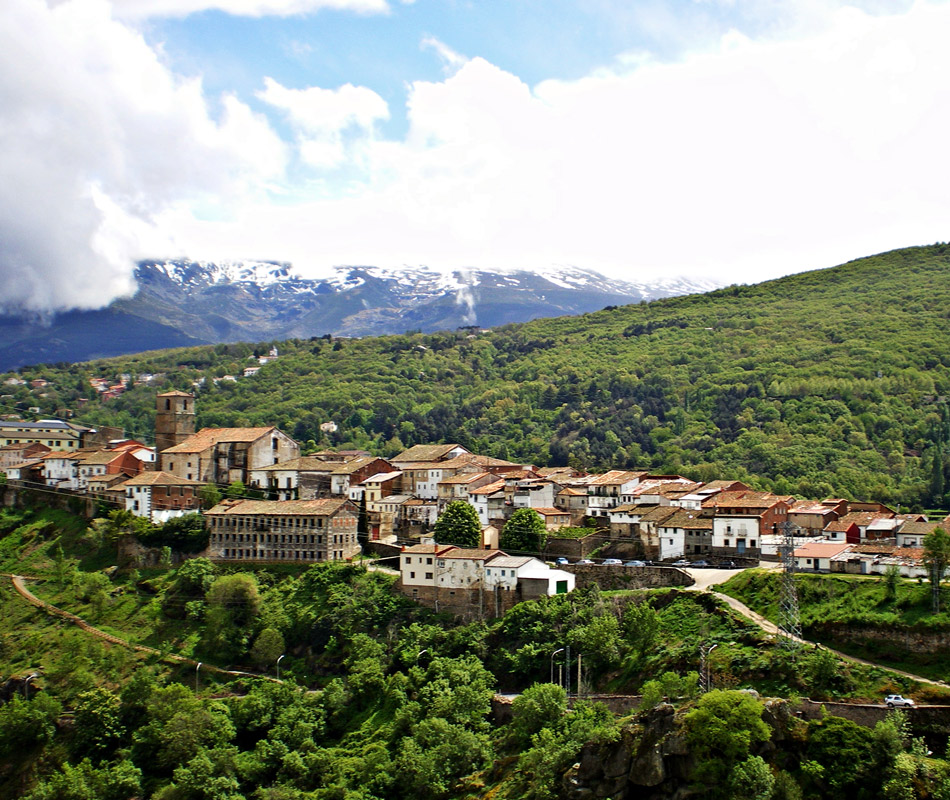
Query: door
x,y
740,546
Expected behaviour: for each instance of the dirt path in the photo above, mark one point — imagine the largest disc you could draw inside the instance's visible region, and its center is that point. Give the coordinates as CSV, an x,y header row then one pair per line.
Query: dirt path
x,y
704,582
53,611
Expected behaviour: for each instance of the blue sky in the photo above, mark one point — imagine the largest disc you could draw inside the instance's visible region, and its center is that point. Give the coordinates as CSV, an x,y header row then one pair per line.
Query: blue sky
x,y
728,140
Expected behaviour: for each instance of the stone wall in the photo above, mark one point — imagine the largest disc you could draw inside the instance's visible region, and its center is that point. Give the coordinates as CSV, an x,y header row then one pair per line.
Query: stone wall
x,y
468,604
932,722
84,505
558,547
628,577
895,641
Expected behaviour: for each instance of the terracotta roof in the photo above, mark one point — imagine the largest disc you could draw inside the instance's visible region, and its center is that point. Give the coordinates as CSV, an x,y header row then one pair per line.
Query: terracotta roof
x,y
57,454
659,514
502,560
464,477
100,456
175,393
689,520
475,555
571,491
746,499
480,461
551,512
490,488
838,526
160,479
820,549
207,437
351,466
864,518
322,507
615,476
922,528
426,549
425,452
302,464
810,507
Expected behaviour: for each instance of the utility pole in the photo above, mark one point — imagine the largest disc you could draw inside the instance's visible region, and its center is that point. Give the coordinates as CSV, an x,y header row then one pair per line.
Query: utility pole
x,y
567,669
790,623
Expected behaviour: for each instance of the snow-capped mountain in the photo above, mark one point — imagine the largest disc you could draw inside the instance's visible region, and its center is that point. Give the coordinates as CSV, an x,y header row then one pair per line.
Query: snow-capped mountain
x,y
182,302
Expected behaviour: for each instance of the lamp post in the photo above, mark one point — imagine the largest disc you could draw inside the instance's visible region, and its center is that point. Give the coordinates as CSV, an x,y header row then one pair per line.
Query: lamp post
x,y
278,666
552,662
419,654
704,665
196,676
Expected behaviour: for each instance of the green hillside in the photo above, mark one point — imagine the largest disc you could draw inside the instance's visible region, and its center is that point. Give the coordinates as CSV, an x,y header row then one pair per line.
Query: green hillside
x,y
822,383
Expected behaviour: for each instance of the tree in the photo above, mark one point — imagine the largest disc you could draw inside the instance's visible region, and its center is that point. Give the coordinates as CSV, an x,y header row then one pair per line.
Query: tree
x,y
267,648
458,524
235,490
936,559
539,706
525,531
210,496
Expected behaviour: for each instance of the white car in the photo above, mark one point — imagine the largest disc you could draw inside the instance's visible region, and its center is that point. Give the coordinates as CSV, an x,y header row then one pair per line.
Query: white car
x,y
897,701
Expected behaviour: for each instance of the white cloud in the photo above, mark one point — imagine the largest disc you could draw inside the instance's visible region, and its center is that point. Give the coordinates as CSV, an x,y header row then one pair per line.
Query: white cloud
x,y
138,9
97,137
747,161
325,119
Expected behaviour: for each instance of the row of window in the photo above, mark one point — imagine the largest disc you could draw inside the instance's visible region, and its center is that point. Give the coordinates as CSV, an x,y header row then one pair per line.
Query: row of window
x,y
284,538
281,555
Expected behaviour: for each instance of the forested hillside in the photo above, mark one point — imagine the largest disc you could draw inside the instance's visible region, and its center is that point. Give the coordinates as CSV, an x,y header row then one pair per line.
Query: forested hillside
x,y
823,383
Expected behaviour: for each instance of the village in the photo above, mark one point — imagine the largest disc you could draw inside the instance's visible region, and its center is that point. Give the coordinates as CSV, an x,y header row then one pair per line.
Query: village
x,y
262,501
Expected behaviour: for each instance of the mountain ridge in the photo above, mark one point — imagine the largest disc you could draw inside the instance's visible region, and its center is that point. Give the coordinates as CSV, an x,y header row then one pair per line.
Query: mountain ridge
x,y
181,302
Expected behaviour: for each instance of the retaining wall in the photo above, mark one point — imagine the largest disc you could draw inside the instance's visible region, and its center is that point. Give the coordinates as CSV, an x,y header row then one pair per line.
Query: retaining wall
x,y
628,577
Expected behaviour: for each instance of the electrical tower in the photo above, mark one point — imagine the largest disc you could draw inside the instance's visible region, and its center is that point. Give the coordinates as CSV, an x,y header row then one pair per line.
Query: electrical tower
x,y
790,623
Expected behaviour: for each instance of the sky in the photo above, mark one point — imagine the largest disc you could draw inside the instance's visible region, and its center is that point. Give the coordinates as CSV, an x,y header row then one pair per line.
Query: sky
x,y
727,140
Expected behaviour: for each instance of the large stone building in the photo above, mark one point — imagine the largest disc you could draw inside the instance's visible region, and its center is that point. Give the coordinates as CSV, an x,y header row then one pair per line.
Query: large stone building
x,y
226,455
54,433
288,530
158,496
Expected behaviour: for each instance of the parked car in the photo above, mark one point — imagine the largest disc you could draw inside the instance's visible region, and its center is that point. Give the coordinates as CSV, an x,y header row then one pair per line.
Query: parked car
x,y
561,561
585,562
612,562
682,563
701,564
896,701
634,563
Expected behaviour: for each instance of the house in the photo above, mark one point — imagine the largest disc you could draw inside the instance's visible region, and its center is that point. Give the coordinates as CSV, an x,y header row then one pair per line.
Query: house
x,y
912,533
882,524
226,455
685,532
694,499
816,556
876,558
740,519
574,501
159,496
842,531
811,517
458,487
97,463
291,530
355,471
604,492
18,452
475,582
489,502
554,518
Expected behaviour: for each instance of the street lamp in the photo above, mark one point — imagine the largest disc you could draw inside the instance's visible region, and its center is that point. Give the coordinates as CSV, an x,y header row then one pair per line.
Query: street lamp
x,y
278,666
419,654
704,665
196,677
552,662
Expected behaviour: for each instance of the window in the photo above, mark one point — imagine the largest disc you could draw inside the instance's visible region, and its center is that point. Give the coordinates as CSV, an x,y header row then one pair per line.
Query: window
x,y
725,542
428,561
751,542
412,574
428,576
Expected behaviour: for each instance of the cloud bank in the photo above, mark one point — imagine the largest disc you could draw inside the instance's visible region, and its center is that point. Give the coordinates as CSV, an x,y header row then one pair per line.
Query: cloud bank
x,y
750,159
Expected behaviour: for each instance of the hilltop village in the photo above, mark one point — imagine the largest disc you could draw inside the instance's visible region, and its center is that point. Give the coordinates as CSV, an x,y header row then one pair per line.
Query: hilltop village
x,y
280,506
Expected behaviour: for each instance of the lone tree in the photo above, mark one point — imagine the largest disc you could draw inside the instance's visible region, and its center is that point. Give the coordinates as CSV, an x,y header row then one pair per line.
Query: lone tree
x,y
525,531
936,559
458,524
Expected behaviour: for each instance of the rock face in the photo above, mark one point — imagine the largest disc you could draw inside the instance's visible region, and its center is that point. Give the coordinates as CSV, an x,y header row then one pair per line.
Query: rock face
x,y
651,759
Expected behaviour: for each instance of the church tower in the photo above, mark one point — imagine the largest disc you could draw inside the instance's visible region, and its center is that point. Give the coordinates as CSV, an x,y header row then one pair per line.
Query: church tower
x,y
174,419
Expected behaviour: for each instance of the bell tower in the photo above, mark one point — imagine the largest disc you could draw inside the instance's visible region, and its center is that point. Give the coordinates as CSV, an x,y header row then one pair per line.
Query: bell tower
x,y
174,419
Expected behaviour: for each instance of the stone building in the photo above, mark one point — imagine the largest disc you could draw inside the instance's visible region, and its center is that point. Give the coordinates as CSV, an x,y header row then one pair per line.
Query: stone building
x,y
288,530
174,419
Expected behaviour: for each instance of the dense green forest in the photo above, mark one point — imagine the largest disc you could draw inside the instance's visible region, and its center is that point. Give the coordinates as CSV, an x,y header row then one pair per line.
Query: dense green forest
x,y
384,700
823,383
